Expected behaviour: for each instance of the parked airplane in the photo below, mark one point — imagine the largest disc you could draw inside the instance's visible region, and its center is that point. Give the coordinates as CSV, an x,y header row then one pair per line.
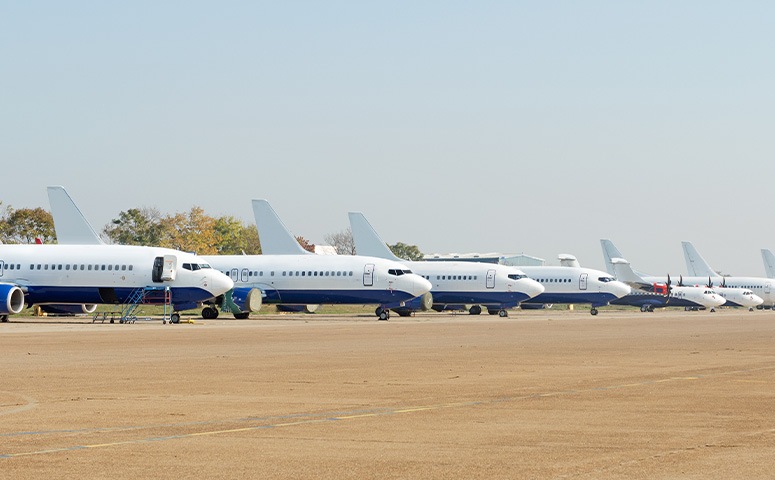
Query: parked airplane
x,y
739,291
648,294
769,263
689,293
83,275
497,287
289,275
294,277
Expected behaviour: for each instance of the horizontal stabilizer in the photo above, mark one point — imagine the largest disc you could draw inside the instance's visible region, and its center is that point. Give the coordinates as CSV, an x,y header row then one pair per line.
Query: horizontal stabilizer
x,y
70,225
274,236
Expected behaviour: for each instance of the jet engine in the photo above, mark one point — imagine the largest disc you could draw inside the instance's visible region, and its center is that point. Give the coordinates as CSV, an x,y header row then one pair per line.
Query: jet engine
x,y
11,299
242,301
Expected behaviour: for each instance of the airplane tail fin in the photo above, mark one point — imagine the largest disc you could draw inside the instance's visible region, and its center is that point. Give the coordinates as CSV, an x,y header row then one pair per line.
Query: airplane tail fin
x,y
609,252
624,272
70,225
367,240
274,236
695,264
769,263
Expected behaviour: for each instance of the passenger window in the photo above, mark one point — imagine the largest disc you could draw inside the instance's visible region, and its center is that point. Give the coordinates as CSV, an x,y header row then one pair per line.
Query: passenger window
x,y
59,267
302,273
351,274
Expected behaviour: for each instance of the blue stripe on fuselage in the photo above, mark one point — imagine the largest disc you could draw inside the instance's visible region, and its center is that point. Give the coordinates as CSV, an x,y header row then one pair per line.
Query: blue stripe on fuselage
x,y
50,294
594,298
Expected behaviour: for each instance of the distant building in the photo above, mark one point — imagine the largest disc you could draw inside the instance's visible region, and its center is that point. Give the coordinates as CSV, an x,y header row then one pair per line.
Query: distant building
x,y
325,250
517,260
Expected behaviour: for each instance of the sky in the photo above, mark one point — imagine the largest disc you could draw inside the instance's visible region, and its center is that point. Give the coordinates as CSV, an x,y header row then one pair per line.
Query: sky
x,y
489,126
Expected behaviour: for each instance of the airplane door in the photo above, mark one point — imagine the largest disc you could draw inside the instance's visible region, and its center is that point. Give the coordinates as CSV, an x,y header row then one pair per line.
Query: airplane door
x,y
2,267
583,281
245,275
766,285
170,266
234,275
158,266
368,275
490,278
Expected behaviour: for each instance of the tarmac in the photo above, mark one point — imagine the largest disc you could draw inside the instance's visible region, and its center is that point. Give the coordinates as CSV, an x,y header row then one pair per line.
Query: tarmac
x,y
540,394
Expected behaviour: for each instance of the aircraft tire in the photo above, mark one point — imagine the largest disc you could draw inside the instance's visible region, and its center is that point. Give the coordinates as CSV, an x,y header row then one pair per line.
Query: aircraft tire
x,y
378,312
475,310
593,311
712,310
383,315
242,315
3,318
175,318
643,308
503,313
750,309
492,311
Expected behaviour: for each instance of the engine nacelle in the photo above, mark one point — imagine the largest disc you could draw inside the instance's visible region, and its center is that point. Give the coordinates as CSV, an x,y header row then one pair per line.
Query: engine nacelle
x,y
242,300
11,299
69,309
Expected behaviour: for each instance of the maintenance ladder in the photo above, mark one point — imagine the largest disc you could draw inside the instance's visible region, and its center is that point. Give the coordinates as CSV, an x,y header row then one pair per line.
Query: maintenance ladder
x,y
145,295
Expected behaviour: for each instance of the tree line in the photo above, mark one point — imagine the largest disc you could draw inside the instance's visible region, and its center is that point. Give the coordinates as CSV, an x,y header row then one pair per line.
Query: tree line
x,y
192,231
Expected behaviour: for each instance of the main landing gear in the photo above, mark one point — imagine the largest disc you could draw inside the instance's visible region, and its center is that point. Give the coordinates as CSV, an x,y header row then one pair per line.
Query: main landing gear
x,y
503,313
3,318
382,313
209,313
646,308
593,311
475,310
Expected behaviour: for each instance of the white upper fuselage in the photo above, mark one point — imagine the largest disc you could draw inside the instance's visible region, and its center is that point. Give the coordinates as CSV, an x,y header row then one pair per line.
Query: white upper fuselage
x,y
77,274
575,285
322,279
456,283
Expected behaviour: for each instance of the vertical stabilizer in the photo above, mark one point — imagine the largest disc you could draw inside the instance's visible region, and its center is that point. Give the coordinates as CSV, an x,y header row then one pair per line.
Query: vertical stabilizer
x,y
274,236
769,263
609,252
70,225
695,264
367,240
624,272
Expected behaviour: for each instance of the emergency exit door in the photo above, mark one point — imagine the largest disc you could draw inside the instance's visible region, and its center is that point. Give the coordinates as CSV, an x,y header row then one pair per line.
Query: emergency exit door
x,y
368,275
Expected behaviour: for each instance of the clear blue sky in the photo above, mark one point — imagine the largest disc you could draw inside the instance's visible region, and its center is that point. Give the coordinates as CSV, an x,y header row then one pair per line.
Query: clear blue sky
x,y
457,126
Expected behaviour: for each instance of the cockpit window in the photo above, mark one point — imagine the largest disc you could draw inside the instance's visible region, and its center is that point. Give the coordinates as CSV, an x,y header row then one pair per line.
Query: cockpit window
x,y
606,279
398,271
407,272
516,276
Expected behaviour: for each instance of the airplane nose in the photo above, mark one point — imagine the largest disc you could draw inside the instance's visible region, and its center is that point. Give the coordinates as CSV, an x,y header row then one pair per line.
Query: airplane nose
x,y
421,286
718,300
757,300
531,287
619,289
219,283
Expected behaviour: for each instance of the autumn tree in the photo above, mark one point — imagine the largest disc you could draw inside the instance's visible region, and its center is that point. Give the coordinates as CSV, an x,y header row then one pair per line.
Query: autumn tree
x,y
306,244
191,232
236,238
25,225
343,242
135,226
407,252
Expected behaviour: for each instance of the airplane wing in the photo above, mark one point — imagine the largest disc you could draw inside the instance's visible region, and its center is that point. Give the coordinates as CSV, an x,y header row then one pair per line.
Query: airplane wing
x,y
70,225
367,240
274,236
769,263
695,264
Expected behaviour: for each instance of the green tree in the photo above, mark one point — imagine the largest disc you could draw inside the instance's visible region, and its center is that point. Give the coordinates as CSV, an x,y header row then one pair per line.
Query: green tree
x,y
135,226
25,225
407,252
236,238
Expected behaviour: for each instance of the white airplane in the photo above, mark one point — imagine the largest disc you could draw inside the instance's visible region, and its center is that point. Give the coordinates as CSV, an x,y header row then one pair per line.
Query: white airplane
x,y
651,291
287,274
769,263
85,275
293,277
739,291
455,284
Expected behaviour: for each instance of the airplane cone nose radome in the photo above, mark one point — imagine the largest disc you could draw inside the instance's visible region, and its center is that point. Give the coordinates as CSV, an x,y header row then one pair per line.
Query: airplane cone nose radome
x,y
219,283
532,288
421,286
619,289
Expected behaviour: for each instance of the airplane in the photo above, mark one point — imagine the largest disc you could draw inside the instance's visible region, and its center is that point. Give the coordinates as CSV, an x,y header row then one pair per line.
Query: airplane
x,y
769,263
295,277
494,286
648,294
289,275
80,276
656,292
737,290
